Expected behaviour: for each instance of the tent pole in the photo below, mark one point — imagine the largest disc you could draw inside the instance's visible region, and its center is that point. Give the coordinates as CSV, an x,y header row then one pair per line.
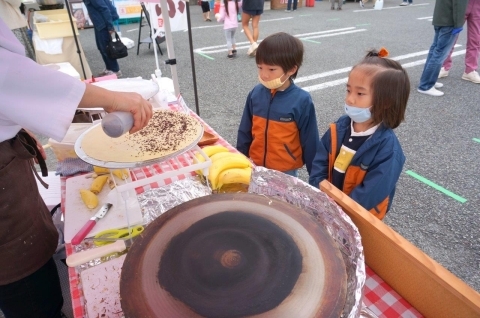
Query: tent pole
x,y
192,59
67,4
170,50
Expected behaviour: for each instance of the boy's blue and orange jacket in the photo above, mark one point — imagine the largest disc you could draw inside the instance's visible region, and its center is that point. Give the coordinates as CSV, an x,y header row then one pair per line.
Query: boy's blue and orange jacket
x,y
374,171
279,131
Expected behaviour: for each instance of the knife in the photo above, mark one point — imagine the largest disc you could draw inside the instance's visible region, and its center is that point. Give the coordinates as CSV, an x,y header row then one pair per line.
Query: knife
x,y
79,258
90,224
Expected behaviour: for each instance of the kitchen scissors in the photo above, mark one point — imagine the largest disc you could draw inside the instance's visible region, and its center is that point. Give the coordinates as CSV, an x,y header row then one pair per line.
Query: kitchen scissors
x,y
121,234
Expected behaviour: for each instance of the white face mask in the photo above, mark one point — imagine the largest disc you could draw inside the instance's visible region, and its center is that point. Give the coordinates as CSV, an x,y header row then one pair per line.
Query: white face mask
x,y
273,84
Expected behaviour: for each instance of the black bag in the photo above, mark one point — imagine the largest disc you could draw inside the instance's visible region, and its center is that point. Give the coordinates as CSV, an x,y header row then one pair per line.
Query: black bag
x,y
116,50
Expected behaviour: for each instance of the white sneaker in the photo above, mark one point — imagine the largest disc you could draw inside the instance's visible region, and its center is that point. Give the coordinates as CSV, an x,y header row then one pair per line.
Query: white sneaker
x,y
288,10
252,49
438,85
472,77
361,4
404,4
432,92
443,73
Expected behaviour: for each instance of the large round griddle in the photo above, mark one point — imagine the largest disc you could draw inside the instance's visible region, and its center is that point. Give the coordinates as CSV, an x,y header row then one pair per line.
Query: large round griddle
x,y
234,255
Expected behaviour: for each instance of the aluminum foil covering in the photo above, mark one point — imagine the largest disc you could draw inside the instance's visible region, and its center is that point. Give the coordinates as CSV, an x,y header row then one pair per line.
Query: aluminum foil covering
x,y
330,215
153,203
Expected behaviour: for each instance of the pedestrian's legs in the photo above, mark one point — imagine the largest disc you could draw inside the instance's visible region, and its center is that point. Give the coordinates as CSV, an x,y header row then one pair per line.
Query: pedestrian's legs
x,y
228,36
442,43
38,295
103,37
473,36
448,61
255,21
289,5
246,28
295,2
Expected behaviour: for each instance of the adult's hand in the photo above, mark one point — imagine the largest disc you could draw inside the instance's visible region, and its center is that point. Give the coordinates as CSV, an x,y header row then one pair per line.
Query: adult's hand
x,y
456,31
133,103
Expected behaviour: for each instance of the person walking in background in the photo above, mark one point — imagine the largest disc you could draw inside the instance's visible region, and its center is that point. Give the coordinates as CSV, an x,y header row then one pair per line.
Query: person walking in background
x,y
339,6
205,10
406,3
15,20
360,154
103,13
278,129
289,5
448,20
228,14
472,16
252,10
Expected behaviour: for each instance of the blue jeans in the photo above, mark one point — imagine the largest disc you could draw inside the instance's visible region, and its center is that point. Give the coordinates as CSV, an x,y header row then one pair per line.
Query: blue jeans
x,y
289,4
293,173
441,46
103,37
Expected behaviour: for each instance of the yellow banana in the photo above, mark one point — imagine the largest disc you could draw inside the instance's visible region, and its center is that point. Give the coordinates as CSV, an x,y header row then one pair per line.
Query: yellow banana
x,y
211,150
97,184
225,163
89,198
100,170
234,175
219,155
121,174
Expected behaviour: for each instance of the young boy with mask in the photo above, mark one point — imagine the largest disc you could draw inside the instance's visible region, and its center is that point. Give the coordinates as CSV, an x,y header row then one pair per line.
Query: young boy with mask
x,y
279,129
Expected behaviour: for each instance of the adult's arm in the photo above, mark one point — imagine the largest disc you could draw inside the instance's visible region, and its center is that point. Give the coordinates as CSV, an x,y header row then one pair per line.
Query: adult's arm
x,y
104,10
44,101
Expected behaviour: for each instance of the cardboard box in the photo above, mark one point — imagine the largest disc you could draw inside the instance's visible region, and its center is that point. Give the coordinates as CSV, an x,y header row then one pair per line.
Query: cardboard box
x,y
425,284
58,25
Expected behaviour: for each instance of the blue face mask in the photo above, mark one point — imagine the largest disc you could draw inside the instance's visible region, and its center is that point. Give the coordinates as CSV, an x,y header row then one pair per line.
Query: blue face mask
x,y
357,114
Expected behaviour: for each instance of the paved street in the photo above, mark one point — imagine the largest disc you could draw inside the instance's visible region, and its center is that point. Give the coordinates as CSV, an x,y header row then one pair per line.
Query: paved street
x,y
438,199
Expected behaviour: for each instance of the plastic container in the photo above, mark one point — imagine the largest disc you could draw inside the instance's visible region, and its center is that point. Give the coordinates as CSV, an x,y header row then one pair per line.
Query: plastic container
x,y
58,25
117,123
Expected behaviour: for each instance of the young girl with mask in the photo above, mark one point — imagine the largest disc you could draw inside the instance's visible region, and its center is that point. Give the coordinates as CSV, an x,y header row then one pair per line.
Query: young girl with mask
x,y
360,154
278,129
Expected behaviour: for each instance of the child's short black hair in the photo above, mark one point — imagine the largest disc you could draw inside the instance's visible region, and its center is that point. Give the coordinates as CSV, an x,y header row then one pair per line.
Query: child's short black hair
x,y
281,49
391,88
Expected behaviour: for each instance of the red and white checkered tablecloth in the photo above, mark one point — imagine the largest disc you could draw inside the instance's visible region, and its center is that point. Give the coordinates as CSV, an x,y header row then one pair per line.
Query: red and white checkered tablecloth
x,y
380,298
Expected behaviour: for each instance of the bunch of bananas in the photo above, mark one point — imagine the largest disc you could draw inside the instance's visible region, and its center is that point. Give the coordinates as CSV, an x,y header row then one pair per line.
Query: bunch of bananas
x,y
227,167
100,178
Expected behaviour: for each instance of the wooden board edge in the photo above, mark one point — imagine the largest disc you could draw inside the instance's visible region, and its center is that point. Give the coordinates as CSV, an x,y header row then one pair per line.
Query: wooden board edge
x,y
456,293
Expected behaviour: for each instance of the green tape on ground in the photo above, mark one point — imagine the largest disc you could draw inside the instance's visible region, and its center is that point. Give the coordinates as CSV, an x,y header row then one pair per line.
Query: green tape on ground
x,y
436,186
307,40
205,55
476,139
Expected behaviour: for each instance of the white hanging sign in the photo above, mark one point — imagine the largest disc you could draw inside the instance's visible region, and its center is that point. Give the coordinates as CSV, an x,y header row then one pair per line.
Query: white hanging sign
x,y
177,13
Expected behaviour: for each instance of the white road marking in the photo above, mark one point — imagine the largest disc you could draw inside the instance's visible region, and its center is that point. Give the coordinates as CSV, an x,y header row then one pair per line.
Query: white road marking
x,y
304,36
425,18
388,8
346,69
221,24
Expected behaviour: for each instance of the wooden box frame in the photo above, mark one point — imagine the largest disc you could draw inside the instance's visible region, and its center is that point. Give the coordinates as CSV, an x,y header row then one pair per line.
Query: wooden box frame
x,y
425,284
